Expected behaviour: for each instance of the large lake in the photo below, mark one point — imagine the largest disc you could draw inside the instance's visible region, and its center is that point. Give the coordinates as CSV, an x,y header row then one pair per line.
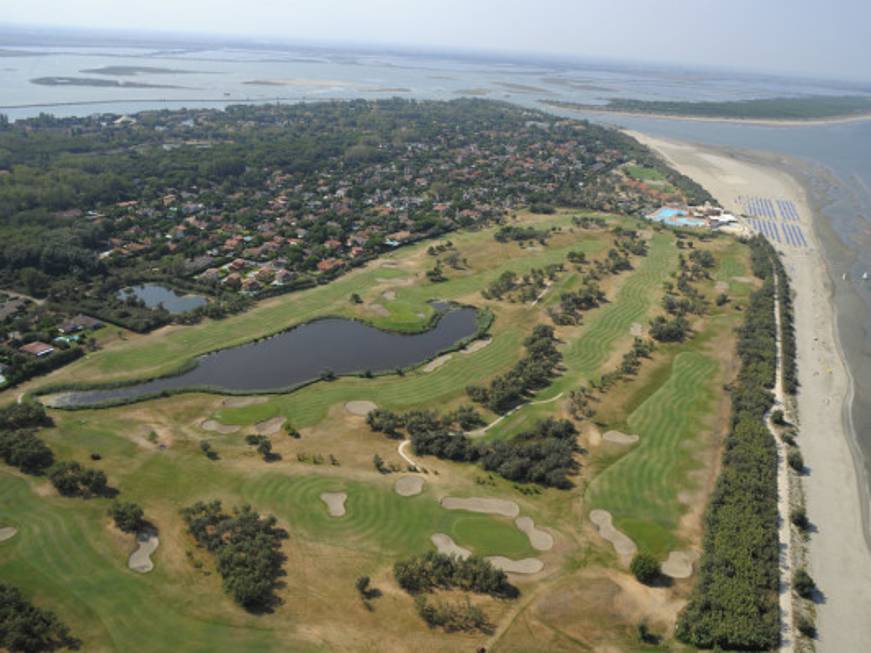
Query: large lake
x,y
299,355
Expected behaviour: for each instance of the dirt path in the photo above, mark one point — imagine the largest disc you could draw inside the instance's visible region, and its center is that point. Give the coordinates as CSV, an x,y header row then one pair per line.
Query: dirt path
x,y
481,431
401,451
784,531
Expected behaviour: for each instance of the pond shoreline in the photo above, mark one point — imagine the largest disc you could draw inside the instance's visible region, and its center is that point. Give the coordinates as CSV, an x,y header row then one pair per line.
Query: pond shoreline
x,y
483,321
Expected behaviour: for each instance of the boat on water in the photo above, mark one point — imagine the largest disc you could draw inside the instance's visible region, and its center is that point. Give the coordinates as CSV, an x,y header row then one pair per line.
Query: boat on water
x,y
864,276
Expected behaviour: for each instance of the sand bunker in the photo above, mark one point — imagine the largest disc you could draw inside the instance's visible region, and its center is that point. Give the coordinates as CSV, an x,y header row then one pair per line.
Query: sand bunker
x,y
624,547
476,345
637,329
335,503
445,544
679,564
482,504
525,566
241,402
270,426
216,427
140,559
389,295
437,362
408,486
7,533
620,438
539,539
360,408
721,286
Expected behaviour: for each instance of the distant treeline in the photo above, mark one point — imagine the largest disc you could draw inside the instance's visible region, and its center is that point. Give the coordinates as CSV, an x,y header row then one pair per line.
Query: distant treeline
x,y
734,605
778,108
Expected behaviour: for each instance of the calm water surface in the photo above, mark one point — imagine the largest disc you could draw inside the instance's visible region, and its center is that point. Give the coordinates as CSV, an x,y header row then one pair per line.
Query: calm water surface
x,y
300,355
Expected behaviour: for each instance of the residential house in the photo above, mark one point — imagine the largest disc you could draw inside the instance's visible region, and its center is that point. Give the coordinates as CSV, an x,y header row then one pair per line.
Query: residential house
x,y
38,349
81,323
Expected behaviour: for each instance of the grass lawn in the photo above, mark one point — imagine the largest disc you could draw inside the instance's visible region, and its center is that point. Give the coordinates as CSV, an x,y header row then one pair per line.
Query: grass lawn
x,y
641,489
69,558
641,173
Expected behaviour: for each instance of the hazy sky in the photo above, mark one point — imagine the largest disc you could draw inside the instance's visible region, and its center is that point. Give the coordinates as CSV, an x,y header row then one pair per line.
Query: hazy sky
x,y
815,37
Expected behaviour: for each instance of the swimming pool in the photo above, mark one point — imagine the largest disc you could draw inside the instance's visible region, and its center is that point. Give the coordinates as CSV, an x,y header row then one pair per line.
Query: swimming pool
x,y
666,213
675,218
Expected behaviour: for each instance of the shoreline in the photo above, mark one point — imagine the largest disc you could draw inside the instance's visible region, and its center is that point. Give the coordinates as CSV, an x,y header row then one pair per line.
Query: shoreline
x,y
836,488
763,122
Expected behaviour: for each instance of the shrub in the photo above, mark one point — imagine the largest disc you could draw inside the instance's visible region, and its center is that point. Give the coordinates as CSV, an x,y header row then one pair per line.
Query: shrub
x,y
777,417
798,516
129,517
806,627
795,460
645,568
803,584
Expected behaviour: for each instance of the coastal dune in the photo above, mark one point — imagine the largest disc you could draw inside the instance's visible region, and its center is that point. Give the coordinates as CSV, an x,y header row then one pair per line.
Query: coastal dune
x,y
839,555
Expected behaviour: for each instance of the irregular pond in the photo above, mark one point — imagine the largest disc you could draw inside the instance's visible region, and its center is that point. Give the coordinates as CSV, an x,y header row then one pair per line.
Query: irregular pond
x,y
154,295
298,355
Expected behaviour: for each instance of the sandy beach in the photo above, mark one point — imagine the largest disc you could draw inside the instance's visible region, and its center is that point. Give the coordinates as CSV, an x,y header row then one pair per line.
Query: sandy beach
x,y
839,555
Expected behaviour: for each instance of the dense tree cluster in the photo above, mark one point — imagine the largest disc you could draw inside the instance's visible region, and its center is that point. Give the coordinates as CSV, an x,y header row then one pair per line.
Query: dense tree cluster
x,y
433,571
19,445
73,480
247,547
674,329
524,289
532,372
459,616
735,602
24,628
521,234
544,455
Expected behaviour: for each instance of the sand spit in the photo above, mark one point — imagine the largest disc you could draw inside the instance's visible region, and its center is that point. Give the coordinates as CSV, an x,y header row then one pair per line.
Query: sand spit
x,y
624,547
679,564
437,362
335,503
620,438
637,329
7,533
270,426
216,427
241,402
140,559
408,486
445,544
509,566
539,539
360,408
487,505
476,345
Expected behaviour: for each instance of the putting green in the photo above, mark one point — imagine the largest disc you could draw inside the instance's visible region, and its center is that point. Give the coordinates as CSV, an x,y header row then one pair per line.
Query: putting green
x,y
379,520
